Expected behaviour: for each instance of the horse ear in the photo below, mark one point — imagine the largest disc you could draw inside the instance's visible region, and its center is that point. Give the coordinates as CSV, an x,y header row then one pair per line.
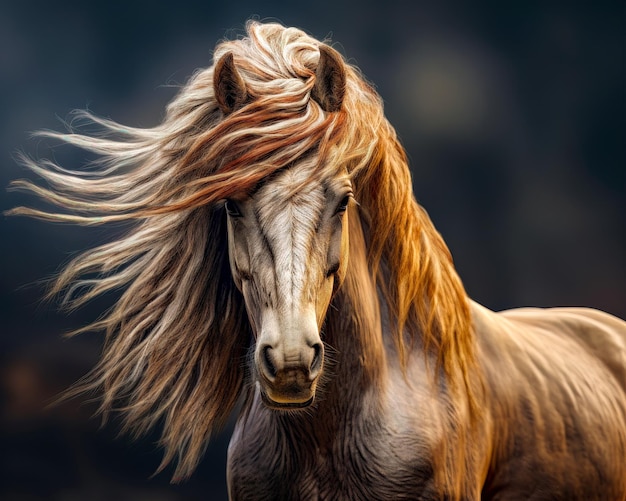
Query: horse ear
x,y
230,89
330,80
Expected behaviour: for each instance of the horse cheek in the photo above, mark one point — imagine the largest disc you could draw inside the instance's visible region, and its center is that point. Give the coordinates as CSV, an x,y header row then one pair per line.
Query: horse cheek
x,y
322,301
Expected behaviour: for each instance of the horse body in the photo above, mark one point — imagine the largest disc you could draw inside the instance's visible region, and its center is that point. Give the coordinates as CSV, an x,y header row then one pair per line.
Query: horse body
x,y
278,254
549,431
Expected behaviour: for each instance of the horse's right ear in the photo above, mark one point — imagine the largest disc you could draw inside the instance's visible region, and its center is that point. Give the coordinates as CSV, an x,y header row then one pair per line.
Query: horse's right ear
x,y
229,87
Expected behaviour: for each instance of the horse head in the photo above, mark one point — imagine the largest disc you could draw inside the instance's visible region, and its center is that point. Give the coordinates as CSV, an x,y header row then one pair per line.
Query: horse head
x,y
288,248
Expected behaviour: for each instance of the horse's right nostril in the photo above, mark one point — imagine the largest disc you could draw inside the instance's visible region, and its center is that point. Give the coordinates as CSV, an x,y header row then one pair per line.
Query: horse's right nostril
x,y
267,362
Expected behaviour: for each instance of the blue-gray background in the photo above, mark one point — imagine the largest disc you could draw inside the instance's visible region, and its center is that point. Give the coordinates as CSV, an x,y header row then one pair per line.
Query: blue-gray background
x,y
512,114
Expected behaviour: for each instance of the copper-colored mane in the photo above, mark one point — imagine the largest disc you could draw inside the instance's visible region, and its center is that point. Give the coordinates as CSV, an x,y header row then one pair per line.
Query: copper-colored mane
x,y
178,339
179,297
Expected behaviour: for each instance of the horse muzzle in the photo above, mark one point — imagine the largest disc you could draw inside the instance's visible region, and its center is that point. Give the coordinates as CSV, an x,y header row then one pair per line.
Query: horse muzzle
x,y
289,385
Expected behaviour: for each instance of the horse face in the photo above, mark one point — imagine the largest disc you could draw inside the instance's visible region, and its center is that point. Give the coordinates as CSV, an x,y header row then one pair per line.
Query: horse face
x,y
288,246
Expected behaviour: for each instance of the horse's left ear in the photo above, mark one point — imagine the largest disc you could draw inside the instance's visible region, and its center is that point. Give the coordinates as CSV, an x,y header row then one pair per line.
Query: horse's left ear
x,y
230,89
330,80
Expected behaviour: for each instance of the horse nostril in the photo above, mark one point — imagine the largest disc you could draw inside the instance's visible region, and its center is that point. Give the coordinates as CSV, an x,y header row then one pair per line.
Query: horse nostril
x,y
267,361
316,364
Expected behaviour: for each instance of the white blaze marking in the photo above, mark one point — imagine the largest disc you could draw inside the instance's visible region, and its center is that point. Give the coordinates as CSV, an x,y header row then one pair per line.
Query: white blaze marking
x,y
288,219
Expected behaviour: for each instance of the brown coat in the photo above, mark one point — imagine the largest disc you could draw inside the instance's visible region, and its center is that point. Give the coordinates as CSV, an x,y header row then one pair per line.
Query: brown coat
x,y
553,423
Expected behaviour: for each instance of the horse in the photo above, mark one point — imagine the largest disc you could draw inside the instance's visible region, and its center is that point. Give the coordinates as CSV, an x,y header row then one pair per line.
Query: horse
x,y
276,264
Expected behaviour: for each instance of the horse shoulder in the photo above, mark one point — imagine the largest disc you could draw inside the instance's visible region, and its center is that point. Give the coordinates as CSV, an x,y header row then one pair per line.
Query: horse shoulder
x,y
555,401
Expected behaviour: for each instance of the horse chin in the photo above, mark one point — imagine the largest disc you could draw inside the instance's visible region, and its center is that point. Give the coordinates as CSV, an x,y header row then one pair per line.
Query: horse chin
x,y
285,404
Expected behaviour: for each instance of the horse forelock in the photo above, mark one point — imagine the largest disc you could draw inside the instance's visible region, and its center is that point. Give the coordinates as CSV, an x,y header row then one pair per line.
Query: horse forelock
x,y
171,181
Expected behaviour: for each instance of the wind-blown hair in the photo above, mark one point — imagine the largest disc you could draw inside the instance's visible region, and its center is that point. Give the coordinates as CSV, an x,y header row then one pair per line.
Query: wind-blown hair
x,y
176,341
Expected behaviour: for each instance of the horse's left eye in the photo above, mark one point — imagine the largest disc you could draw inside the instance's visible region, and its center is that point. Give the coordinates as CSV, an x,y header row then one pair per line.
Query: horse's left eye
x,y
232,209
343,205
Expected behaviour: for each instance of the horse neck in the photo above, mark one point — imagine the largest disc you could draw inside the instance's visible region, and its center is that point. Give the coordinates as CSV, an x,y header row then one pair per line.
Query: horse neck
x,y
358,360
353,333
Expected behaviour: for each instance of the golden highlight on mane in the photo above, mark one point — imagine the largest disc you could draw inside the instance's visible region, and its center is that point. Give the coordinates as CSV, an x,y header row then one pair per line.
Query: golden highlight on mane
x,y
176,341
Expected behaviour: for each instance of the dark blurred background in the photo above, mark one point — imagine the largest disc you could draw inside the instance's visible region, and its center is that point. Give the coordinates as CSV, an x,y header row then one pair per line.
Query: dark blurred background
x,y
512,114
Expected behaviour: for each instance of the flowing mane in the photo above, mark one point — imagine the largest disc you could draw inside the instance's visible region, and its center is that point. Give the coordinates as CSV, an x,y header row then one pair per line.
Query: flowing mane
x,y
177,340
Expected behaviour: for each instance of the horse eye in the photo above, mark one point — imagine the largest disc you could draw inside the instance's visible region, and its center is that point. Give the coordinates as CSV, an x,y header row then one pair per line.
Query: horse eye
x,y
343,205
232,209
